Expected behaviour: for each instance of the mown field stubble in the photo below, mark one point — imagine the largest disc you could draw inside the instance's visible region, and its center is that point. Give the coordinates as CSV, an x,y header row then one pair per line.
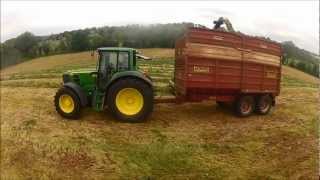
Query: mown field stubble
x,y
186,141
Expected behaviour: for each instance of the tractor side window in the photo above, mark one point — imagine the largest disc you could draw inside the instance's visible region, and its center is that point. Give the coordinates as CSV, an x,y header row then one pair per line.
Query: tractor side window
x,y
103,62
123,61
112,65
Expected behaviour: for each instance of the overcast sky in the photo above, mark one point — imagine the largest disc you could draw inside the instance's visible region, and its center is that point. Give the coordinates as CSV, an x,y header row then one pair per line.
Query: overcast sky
x,y
280,20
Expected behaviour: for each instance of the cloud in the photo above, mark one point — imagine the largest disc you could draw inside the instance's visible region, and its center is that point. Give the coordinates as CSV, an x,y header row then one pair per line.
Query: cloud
x,y
280,20
281,31
208,12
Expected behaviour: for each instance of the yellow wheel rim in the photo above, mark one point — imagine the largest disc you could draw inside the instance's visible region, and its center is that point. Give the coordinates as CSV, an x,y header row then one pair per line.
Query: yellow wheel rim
x,y
66,103
129,101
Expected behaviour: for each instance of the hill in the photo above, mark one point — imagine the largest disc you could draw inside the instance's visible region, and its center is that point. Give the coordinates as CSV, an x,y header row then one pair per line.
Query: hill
x,y
57,64
27,46
301,59
187,141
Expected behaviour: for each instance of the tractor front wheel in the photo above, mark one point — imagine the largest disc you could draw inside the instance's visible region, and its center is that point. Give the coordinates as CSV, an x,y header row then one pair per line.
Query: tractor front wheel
x,y
130,100
67,103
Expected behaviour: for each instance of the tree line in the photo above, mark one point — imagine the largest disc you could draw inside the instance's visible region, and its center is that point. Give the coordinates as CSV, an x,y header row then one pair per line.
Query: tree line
x,y
27,45
300,59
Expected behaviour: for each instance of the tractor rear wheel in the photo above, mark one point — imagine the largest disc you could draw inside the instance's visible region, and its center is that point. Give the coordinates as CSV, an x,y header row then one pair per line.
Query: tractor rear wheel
x,y
264,104
244,106
130,100
67,103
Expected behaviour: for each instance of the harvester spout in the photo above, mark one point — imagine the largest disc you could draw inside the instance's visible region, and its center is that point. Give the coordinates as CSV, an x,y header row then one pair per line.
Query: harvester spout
x,y
223,20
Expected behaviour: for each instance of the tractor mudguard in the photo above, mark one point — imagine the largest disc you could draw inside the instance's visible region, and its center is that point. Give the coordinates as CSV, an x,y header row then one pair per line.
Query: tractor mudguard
x,y
134,74
77,89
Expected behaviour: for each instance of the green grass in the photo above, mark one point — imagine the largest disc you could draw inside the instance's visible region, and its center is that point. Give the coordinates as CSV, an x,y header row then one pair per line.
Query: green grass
x,y
161,70
157,61
161,158
52,78
38,83
179,141
32,76
289,81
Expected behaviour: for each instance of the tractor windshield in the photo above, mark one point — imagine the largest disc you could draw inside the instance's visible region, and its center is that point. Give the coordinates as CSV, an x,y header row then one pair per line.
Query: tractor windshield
x,y
113,61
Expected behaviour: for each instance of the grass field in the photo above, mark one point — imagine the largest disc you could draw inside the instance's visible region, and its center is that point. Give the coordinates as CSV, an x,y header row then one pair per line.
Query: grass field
x,y
187,141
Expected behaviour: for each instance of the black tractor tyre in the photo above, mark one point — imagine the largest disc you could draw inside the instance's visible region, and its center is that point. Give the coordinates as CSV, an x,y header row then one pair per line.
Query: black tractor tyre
x,y
244,106
144,89
75,113
263,104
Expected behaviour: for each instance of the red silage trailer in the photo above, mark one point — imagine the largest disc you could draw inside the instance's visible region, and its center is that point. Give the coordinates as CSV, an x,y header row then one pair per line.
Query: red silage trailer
x,y
227,67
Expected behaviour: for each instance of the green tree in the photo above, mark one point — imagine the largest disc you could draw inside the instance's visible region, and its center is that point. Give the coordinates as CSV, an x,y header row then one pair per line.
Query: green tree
x,y
96,40
62,47
80,41
315,70
45,48
302,66
291,63
25,43
9,56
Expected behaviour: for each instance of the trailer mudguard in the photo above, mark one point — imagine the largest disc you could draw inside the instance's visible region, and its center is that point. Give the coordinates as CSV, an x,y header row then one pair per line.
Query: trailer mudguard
x,y
134,74
77,89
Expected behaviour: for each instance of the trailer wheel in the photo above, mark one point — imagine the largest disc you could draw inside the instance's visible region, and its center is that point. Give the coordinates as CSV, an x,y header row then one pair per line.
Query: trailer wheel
x,y
67,103
130,100
244,106
263,104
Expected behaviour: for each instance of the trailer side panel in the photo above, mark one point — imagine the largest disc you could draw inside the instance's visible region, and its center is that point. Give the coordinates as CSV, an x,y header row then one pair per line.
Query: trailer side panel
x,y
214,64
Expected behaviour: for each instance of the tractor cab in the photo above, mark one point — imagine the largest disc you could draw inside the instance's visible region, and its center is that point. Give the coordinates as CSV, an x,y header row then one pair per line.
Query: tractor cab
x,y
116,61
112,61
116,83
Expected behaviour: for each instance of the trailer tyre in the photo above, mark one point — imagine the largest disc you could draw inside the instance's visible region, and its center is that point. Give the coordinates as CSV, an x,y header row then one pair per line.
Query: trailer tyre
x,y
244,106
130,100
67,103
263,104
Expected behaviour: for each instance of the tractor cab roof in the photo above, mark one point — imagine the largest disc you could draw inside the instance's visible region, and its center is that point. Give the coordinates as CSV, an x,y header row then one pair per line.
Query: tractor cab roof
x,y
115,49
138,54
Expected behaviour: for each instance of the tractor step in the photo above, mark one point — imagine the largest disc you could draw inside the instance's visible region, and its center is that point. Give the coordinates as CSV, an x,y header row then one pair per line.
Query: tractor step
x,y
98,101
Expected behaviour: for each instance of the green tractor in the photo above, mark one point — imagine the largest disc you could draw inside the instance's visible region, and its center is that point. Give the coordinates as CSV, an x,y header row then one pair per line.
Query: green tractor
x,y
115,83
